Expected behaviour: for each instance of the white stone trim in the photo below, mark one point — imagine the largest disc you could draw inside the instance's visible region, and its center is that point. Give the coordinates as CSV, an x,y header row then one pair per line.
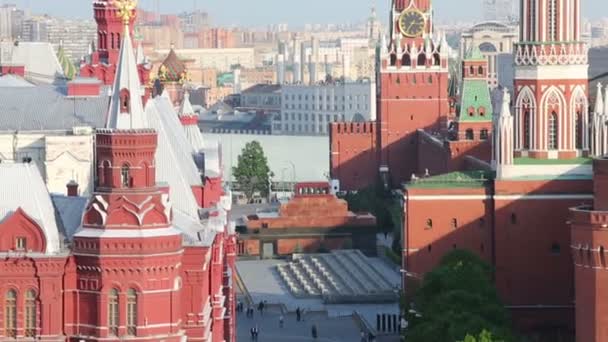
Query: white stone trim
x,y
126,233
543,197
552,72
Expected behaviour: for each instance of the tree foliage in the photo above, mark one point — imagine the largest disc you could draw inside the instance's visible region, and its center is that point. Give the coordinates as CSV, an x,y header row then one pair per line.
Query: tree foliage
x,y
457,299
252,172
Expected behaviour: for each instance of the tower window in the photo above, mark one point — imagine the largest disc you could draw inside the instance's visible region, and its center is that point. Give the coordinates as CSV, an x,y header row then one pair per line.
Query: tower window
x,y
429,224
553,131
480,71
578,131
125,177
471,70
20,243
526,130
10,314
30,313
483,135
469,135
113,321
602,257
124,101
454,223
556,249
132,312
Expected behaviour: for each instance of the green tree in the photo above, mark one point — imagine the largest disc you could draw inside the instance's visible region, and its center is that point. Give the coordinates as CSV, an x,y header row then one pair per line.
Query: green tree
x,y
456,299
252,172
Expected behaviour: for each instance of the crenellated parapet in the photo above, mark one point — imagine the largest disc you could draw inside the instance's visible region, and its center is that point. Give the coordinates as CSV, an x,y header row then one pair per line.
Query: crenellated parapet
x,y
558,53
403,56
349,128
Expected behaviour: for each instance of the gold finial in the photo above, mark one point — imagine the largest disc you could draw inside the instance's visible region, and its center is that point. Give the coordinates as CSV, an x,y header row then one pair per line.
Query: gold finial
x,y
125,9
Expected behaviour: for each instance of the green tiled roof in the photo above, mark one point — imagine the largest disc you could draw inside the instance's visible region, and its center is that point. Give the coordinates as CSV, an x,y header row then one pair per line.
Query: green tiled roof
x,y
69,69
533,161
474,54
460,179
476,94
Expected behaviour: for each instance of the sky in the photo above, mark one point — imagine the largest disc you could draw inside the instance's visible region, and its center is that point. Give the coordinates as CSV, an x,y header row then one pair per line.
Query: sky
x,y
293,12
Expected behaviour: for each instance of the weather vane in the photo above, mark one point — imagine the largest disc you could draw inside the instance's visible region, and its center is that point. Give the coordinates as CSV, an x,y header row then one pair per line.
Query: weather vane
x,y
125,9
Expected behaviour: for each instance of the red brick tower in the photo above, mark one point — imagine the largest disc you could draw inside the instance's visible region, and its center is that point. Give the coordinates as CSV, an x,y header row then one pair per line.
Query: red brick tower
x,y
110,33
551,86
412,87
589,242
128,254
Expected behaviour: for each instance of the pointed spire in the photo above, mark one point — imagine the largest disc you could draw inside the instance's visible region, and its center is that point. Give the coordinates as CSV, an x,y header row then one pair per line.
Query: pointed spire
x,y
599,102
186,108
140,56
605,111
505,110
126,107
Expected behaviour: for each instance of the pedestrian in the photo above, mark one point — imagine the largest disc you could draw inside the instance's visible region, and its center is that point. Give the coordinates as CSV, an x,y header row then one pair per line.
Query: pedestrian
x,y
362,334
298,314
261,308
256,332
314,331
252,332
281,318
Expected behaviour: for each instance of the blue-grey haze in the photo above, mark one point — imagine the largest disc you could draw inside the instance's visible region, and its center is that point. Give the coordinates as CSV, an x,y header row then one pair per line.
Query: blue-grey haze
x,y
294,12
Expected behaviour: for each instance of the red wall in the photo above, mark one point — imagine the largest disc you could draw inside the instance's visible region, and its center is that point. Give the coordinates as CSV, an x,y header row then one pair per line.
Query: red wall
x,y
353,154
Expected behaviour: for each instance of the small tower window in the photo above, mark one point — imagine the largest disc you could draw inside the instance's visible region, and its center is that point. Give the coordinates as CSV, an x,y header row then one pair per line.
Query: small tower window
x,y
454,223
30,313
471,70
602,257
20,243
483,135
526,130
10,314
469,135
429,224
553,131
578,131
131,312
113,312
125,177
124,101
556,249
480,71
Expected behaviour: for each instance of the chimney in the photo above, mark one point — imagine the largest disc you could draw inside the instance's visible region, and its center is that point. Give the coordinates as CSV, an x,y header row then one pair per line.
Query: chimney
x,y
72,188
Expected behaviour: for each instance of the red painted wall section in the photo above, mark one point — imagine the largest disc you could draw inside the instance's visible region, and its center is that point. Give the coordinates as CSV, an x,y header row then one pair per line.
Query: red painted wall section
x,y
76,88
20,226
435,226
433,155
18,70
353,154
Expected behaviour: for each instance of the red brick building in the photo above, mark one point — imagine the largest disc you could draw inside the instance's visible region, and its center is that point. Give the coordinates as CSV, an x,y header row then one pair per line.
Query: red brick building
x,y
313,220
515,213
99,269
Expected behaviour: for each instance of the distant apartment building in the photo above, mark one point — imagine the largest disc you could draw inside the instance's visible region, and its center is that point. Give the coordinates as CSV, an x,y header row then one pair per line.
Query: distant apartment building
x,y
308,109
216,38
259,75
499,10
192,22
35,29
74,35
262,97
162,37
11,19
223,60
495,40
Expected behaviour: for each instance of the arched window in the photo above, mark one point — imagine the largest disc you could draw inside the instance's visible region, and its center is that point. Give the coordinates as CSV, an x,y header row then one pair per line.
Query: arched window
x,y
469,135
118,40
10,314
112,40
471,70
553,131
526,130
113,318
132,312
125,177
483,135
125,107
393,59
406,60
480,70
429,224
602,257
30,313
578,133
421,59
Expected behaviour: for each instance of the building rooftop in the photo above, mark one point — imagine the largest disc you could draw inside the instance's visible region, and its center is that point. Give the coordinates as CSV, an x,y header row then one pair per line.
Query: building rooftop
x,y
533,161
262,89
460,179
475,94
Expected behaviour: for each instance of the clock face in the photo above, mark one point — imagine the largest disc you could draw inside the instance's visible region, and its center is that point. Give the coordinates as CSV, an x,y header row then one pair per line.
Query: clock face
x,y
412,23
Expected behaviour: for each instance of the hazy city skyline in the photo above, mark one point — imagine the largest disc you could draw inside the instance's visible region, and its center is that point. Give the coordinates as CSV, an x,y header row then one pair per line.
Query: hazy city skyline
x,y
250,13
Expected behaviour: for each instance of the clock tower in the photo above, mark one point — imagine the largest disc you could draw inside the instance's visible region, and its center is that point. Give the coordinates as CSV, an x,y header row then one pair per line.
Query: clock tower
x,y
412,88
